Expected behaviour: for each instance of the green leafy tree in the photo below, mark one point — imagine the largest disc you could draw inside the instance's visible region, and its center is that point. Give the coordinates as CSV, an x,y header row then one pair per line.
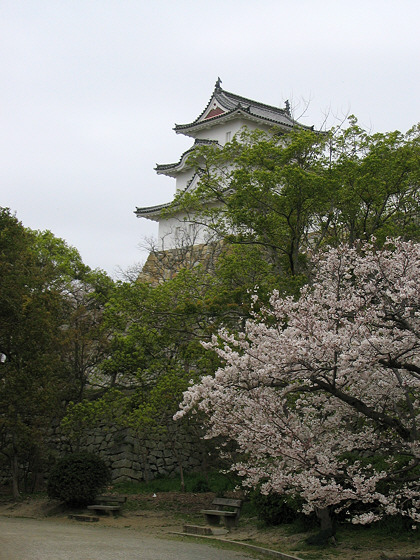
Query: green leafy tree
x,y
155,352
290,194
30,342
84,294
262,190
39,276
156,329
376,178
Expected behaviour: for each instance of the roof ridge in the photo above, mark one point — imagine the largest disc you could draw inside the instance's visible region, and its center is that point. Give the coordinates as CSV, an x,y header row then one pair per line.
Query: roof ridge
x,y
253,102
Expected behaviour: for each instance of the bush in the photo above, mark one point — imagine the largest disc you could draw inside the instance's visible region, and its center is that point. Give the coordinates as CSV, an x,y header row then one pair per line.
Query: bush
x,y
275,509
77,478
211,482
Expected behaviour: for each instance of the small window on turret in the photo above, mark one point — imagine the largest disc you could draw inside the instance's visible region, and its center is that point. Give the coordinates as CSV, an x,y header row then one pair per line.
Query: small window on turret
x,y
228,134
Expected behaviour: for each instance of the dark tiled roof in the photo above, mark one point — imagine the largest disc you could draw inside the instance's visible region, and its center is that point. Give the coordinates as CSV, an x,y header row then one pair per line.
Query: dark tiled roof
x,y
163,167
236,105
151,210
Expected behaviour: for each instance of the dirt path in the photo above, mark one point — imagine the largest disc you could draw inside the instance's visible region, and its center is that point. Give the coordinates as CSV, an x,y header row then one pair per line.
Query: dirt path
x,y
33,539
149,522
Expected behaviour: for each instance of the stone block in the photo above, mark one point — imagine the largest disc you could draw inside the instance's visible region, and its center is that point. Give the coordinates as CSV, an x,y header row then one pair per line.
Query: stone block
x,y
131,440
122,463
126,472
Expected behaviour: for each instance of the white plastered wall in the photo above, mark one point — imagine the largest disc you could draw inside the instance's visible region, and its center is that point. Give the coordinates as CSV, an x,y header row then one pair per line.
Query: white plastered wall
x,y
178,231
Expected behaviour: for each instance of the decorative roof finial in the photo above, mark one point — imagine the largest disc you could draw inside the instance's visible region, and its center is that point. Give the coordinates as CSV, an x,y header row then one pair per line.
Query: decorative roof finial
x,y
287,107
219,81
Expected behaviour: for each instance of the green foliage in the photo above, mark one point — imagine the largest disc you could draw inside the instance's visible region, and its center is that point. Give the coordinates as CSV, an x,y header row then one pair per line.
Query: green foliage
x,y
270,190
152,411
377,179
276,509
214,481
76,479
289,195
157,329
111,408
51,335
33,379
155,351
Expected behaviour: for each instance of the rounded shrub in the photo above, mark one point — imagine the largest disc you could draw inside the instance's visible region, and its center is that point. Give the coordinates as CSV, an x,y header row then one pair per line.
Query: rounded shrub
x,y
275,509
77,478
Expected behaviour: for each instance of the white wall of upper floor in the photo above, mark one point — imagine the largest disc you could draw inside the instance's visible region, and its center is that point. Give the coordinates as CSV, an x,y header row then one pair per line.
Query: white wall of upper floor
x,y
181,230
183,178
224,132
178,231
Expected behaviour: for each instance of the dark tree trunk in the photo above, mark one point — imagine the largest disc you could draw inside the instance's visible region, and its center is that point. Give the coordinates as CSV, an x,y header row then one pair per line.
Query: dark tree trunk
x,y
15,474
327,532
323,515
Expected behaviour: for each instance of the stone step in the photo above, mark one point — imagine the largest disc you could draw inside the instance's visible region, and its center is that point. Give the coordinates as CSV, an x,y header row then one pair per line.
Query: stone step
x,y
204,530
82,517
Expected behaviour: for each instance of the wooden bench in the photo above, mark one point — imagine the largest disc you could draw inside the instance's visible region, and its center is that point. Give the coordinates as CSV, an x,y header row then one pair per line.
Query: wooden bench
x,y
108,504
230,516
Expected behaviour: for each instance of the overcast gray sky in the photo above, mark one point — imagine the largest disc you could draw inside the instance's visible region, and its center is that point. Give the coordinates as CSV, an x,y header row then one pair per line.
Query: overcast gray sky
x,y
90,91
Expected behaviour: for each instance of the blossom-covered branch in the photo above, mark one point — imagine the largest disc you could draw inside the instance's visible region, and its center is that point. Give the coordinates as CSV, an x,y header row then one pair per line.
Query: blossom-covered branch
x,y
321,394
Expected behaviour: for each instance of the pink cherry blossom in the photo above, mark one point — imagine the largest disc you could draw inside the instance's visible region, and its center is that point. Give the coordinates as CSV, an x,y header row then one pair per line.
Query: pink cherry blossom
x,y
321,394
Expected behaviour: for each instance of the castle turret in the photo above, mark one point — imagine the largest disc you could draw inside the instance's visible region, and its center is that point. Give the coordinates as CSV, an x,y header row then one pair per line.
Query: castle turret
x,y
224,116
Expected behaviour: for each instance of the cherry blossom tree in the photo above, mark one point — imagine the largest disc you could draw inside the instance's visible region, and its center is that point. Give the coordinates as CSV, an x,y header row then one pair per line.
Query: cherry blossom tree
x,y
321,394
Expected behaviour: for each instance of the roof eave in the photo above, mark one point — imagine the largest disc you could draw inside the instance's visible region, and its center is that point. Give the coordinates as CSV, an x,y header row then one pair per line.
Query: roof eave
x,y
151,212
173,169
170,172
191,128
